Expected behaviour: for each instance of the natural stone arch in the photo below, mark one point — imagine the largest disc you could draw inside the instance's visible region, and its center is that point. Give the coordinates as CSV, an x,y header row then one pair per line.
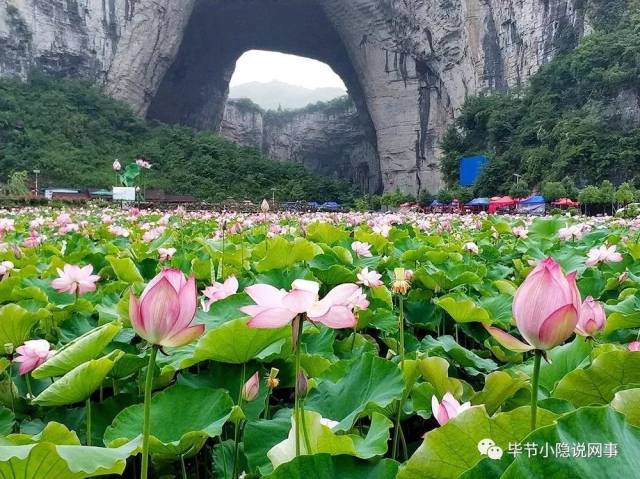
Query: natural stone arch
x,y
195,88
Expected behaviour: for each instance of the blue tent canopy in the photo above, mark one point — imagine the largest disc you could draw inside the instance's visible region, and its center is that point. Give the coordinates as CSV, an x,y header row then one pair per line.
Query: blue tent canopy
x,y
478,202
330,205
534,200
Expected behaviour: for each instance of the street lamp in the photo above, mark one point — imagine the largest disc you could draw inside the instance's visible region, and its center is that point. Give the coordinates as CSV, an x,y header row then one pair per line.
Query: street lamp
x,y
37,172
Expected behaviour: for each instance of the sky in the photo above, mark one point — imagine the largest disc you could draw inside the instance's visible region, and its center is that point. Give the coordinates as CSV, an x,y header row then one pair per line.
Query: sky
x,y
262,66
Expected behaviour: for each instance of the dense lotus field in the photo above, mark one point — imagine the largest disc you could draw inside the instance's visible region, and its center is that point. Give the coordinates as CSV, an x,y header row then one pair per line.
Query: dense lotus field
x,y
201,345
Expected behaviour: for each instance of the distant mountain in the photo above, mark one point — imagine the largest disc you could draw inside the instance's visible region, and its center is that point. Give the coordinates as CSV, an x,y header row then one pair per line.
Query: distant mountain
x,y
275,94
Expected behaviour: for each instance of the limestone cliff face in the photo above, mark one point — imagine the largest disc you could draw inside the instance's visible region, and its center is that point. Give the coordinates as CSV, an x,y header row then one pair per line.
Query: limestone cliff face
x,y
408,64
328,139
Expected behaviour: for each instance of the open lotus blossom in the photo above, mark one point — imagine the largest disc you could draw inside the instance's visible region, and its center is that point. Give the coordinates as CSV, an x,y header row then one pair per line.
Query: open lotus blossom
x,y
520,232
32,354
592,317
164,312
603,254
634,346
546,308
471,247
447,409
361,249
5,268
219,291
166,254
75,280
370,279
275,308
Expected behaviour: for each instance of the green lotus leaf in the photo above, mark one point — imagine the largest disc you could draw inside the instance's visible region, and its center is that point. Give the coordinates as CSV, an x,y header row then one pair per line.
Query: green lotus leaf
x,y
261,435
79,383
16,323
57,453
326,233
627,402
125,269
436,371
370,382
182,418
282,253
463,309
597,384
82,349
449,450
323,440
618,443
499,386
236,343
446,346
325,466
7,420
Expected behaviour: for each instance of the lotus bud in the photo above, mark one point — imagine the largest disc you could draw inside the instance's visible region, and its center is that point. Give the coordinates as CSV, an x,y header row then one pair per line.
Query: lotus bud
x,y
400,284
264,206
303,384
447,409
9,348
251,388
592,317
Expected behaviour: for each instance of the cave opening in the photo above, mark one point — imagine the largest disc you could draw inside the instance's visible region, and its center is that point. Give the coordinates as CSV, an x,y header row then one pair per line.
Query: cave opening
x,y
194,91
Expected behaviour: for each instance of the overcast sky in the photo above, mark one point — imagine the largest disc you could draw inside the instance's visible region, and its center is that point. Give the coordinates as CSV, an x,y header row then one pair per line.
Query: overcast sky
x,y
261,66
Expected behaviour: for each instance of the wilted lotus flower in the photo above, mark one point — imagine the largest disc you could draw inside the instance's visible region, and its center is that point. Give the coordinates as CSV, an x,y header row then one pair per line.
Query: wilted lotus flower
x,y
264,206
219,291
447,409
117,166
251,388
401,283
546,308
32,354
75,280
164,312
592,317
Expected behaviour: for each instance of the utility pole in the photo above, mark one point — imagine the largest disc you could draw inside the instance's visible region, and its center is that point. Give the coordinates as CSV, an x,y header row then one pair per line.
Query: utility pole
x,y
36,173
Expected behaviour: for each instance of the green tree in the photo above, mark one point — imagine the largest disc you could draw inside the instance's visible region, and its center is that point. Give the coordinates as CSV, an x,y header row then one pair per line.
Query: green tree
x,y
519,190
17,184
607,194
589,196
625,194
553,190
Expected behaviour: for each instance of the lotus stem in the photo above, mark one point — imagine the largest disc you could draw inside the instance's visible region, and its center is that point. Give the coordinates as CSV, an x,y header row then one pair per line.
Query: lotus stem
x,y
401,331
397,429
535,380
307,442
296,401
27,380
146,428
183,467
87,413
236,434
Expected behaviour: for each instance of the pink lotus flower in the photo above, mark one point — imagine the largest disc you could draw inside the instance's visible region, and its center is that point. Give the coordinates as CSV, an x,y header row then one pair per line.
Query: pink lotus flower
x,y
361,249
275,308
164,312
592,317
634,346
447,409
32,354
371,279
520,232
603,254
166,254
219,291
545,306
5,268
75,280
251,388
471,247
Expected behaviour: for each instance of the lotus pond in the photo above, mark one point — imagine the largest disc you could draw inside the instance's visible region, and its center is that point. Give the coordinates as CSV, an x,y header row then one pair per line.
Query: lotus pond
x,y
201,345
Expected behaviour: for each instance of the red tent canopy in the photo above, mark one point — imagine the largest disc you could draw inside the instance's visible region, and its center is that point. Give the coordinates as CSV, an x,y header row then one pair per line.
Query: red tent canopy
x,y
566,202
500,202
